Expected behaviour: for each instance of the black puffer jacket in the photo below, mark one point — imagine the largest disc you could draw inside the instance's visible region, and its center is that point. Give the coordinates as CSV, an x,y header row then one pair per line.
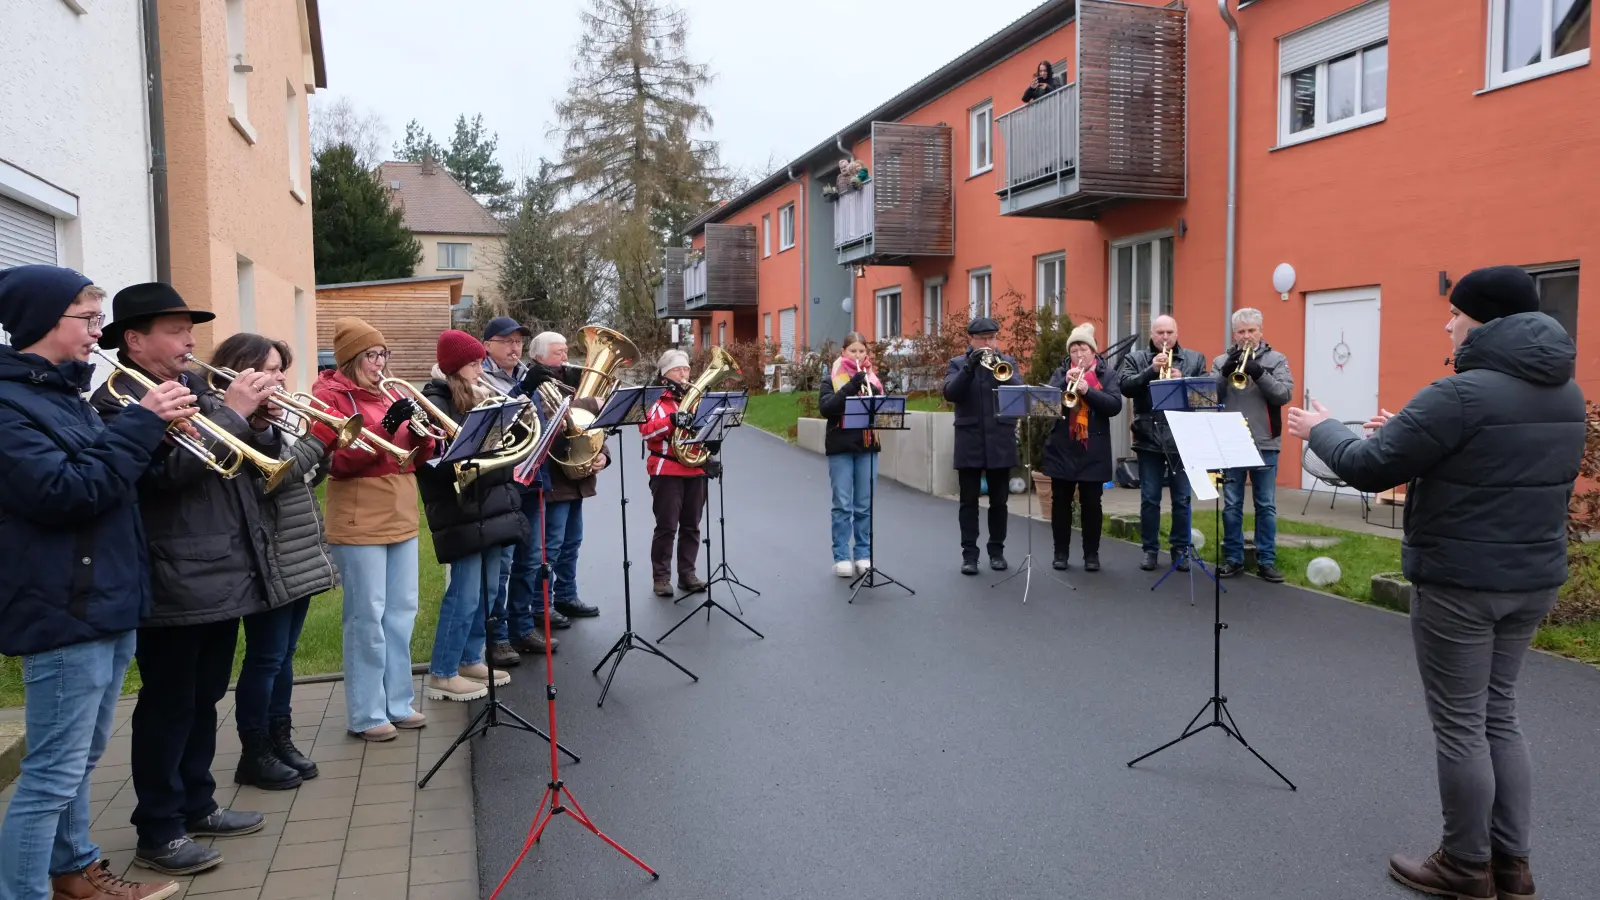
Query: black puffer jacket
x,y
983,440
1067,458
837,439
1150,432
1490,454
493,500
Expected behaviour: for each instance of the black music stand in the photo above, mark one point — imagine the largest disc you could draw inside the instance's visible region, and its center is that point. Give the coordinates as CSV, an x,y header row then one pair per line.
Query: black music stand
x,y
1185,395
1027,402
1212,443
481,432
628,406
717,413
879,413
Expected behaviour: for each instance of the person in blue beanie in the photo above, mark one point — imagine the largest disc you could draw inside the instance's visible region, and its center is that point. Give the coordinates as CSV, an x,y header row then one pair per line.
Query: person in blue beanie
x,y
77,577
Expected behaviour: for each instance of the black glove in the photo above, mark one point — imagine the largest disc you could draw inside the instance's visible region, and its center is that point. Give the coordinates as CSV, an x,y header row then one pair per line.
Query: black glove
x,y
1253,367
972,358
712,468
1232,362
399,414
681,420
538,374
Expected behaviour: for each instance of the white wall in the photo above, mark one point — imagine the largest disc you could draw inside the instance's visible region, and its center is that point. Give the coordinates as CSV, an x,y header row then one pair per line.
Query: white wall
x,y
73,116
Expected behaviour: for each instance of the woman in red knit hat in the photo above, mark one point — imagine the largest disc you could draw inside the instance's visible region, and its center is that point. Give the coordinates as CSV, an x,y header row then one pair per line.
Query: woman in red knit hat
x,y
470,529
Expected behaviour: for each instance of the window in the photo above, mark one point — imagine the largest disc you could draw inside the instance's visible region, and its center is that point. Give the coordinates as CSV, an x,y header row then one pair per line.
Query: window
x,y
455,256
1531,38
302,336
786,333
722,334
786,227
1558,296
247,294
1141,284
1334,75
1051,289
291,118
982,149
933,306
979,294
766,235
888,310
766,327
238,70
461,313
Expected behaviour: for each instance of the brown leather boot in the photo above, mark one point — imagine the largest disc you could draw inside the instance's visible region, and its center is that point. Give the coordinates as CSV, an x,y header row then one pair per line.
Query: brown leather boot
x,y
97,883
1444,875
1512,877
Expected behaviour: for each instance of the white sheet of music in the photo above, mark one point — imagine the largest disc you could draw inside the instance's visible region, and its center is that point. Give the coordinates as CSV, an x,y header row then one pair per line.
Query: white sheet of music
x,y
1208,441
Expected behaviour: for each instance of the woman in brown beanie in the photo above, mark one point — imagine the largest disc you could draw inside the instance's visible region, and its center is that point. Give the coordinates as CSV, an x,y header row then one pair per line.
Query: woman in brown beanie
x,y
372,523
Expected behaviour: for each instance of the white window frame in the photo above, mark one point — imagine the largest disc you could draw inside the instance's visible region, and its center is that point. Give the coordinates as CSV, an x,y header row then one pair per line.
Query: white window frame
x,y
1546,66
933,305
985,306
766,327
1056,261
881,306
785,227
980,121
238,63
291,115
766,235
1323,128
722,334
461,268
245,273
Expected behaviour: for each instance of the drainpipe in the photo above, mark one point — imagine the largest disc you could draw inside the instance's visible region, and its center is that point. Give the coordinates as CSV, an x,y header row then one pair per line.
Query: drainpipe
x,y
1233,165
802,225
158,143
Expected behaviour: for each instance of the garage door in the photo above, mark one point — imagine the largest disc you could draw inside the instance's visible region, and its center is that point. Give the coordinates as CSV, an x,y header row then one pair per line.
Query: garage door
x,y
26,236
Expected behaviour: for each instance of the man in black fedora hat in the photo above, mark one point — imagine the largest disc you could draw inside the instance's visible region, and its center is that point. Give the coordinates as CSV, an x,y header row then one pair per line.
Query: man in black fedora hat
x,y
986,445
207,564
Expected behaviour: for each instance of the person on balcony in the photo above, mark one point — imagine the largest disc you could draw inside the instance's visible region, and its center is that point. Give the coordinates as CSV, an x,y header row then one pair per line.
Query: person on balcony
x,y
1044,81
852,175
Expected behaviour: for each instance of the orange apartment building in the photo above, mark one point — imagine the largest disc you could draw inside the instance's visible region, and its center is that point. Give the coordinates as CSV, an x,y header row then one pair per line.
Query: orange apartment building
x,y
1383,150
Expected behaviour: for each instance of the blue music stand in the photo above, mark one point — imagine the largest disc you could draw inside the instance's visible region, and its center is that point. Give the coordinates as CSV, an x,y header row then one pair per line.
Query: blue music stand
x,y
879,413
1184,395
1027,402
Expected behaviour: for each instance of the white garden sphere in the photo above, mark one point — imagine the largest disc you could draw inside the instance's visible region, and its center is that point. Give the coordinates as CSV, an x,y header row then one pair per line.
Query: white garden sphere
x,y
1322,571
1197,539
1018,485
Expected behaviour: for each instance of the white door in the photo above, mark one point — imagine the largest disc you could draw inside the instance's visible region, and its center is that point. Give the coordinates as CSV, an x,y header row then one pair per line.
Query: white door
x,y
1341,359
1141,289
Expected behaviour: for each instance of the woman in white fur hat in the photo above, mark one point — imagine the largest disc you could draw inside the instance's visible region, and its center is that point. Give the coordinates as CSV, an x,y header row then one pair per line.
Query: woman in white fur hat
x,y
1077,456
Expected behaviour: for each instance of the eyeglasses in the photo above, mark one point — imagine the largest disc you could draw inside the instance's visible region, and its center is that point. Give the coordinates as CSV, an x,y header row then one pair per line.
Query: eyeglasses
x,y
93,320
375,355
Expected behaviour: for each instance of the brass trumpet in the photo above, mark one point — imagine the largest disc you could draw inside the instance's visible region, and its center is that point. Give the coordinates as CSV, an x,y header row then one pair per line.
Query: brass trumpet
x,y
367,441
1167,371
1239,379
428,420
1074,392
994,363
228,466
298,421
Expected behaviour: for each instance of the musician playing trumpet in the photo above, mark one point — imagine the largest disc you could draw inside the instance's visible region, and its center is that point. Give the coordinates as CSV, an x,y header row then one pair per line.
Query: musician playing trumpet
x,y
852,456
1161,359
1253,379
985,445
1077,455
677,491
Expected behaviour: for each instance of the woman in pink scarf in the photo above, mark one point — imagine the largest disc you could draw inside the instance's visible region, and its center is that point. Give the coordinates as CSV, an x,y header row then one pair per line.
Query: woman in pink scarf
x,y
1077,457
852,456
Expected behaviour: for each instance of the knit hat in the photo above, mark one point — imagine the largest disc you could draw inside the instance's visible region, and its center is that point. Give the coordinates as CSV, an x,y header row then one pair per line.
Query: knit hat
x,y
34,298
670,360
458,349
1488,294
352,337
1083,334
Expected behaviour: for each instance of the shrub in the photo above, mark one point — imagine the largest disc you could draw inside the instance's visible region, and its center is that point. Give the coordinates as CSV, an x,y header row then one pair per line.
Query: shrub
x,y
1580,596
1049,349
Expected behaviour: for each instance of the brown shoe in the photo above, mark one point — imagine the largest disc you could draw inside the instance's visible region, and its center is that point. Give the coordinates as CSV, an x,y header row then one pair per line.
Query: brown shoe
x,y
1512,877
377,734
533,642
1443,875
97,883
691,583
663,589
503,656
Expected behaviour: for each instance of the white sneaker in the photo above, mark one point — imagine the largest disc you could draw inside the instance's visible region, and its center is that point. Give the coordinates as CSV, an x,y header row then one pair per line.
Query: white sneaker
x,y
480,674
862,565
843,568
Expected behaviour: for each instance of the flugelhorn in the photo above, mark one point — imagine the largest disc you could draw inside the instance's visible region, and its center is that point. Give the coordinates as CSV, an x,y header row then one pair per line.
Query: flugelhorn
x,y
367,441
228,466
428,420
1239,379
298,421
995,363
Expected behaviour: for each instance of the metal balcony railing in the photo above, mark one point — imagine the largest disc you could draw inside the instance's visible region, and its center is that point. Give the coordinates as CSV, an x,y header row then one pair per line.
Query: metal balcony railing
x,y
1040,140
694,281
852,216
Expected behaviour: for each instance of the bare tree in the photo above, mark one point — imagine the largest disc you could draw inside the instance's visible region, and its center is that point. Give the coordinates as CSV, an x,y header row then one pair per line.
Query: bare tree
x,y
339,122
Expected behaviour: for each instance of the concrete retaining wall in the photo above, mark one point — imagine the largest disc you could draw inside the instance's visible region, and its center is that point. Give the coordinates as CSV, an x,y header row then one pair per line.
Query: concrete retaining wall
x,y
921,457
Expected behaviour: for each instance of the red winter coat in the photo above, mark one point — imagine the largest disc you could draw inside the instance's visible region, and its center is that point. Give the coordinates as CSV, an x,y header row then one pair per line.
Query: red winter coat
x,y
657,432
370,501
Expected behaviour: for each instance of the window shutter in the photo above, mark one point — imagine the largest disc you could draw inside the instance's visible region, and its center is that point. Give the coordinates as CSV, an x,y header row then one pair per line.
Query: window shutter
x,y
27,236
786,334
1334,36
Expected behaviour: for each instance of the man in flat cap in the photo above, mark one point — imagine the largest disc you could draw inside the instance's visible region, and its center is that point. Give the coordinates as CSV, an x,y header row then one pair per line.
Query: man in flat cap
x,y
986,445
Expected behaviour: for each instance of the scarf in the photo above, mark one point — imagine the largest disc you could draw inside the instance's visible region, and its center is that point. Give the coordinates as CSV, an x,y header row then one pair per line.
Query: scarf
x,y
1079,422
839,375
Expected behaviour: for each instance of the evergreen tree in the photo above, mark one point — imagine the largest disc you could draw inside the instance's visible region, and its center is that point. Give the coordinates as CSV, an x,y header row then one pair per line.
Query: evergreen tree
x,y
470,161
417,144
549,272
356,234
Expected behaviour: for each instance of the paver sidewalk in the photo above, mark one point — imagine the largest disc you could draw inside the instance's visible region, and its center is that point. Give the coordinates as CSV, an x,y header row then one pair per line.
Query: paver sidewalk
x,y
361,829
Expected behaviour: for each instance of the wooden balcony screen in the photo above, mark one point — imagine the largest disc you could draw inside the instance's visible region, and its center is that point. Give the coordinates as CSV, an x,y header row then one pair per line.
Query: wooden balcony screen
x,y
913,190
730,264
1132,96
669,294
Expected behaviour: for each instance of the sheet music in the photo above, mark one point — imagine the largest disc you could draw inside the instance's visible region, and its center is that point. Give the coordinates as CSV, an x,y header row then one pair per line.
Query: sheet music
x,y
1213,440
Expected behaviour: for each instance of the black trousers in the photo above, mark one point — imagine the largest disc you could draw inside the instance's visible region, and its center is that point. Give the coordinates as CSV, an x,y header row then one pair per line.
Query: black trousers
x,y
971,482
677,503
185,671
1089,493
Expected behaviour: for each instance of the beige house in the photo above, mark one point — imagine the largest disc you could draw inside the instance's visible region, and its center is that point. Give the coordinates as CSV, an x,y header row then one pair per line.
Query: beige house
x,y
458,236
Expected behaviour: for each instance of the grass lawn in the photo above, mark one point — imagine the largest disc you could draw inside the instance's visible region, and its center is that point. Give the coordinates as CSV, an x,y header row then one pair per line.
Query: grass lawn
x,y
779,414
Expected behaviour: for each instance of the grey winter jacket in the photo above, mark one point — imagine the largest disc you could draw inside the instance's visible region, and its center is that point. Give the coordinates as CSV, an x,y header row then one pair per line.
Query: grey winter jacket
x,y
509,385
1263,399
1490,453
298,562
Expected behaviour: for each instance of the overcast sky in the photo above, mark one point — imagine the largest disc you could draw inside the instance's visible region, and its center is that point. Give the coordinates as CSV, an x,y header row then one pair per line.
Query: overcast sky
x,y
785,78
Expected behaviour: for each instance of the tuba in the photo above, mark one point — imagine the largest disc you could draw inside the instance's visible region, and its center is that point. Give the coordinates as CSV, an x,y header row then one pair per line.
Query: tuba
x,y
605,351
721,366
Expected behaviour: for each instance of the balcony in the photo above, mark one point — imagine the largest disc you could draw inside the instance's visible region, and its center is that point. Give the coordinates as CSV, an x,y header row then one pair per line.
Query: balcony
x,y
1115,135
723,278
907,210
669,293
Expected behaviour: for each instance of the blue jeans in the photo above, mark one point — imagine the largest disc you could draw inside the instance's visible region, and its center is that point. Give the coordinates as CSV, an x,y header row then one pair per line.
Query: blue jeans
x,y
266,678
1263,486
458,641
380,608
70,698
851,475
1153,471
563,534
519,601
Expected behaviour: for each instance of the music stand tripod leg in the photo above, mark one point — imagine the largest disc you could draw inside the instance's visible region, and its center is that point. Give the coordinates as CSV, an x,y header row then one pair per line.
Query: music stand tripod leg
x,y
871,577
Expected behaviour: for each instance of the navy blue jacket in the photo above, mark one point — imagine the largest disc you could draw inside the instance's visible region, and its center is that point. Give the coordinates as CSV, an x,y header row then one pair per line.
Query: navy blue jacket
x,y
72,543
983,440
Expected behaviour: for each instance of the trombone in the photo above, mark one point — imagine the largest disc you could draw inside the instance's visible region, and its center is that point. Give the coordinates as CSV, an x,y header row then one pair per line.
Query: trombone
x,y
298,420
994,363
228,466
1238,379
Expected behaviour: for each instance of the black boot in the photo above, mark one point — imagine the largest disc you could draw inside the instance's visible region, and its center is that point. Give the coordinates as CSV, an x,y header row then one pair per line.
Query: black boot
x,y
283,745
260,766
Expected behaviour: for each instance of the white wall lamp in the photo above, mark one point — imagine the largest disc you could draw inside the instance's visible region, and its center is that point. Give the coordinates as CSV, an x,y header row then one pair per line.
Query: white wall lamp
x,y
1283,280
